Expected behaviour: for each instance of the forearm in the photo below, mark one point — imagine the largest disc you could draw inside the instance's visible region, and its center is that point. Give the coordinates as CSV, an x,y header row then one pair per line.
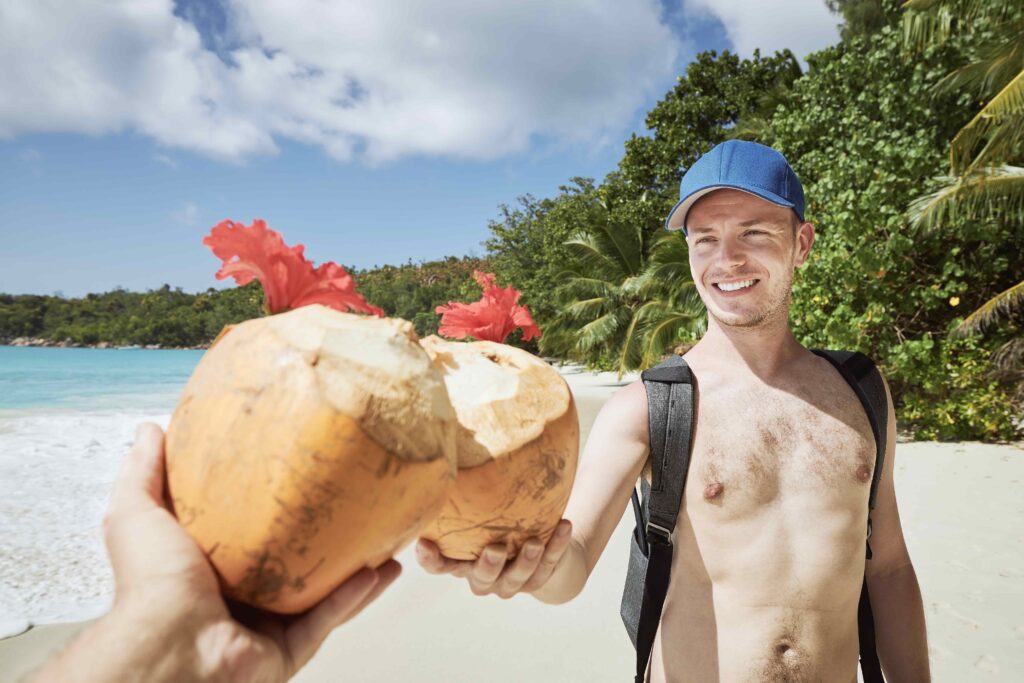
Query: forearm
x,y
567,579
123,647
900,635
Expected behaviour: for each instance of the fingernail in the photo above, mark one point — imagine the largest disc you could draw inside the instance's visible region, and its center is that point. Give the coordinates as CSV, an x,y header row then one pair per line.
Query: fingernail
x,y
532,551
563,529
492,556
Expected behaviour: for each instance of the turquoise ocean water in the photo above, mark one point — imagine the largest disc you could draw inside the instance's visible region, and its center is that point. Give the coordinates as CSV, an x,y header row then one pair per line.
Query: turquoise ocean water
x,y
36,379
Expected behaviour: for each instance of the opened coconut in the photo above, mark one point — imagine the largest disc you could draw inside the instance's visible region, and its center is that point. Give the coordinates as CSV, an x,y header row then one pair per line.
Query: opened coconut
x,y
518,444
306,446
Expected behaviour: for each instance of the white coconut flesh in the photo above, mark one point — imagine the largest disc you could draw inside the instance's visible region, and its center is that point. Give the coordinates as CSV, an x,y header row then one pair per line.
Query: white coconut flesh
x,y
504,397
373,370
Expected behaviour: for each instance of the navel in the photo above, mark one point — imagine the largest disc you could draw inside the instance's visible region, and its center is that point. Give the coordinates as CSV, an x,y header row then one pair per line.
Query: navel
x,y
864,473
714,490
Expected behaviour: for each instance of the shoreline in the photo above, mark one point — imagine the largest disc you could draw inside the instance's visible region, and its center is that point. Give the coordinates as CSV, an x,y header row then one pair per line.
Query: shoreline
x,y
37,342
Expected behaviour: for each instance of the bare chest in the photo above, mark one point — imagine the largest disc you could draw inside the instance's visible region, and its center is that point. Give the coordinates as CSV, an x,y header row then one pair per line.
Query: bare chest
x,y
754,446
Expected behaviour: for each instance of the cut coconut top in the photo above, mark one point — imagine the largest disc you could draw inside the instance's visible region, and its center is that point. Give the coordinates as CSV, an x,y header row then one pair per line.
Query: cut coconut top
x,y
504,397
373,370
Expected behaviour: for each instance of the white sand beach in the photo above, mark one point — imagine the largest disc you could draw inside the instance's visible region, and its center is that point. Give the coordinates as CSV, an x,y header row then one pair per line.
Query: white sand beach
x,y
961,506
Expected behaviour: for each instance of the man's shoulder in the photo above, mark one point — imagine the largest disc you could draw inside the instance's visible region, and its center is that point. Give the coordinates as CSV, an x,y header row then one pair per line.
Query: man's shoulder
x,y
627,407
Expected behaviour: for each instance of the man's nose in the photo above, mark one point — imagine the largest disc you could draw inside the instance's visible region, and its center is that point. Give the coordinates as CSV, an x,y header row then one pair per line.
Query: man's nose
x,y
731,254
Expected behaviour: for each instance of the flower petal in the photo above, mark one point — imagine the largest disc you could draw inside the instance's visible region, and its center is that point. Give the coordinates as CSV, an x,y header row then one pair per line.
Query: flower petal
x,y
288,279
492,318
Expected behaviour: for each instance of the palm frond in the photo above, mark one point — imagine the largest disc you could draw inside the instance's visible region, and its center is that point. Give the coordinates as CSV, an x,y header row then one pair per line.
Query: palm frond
x,y
933,22
1010,356
589,258
1003,117
1002,304
576,287
671,247
631,352
993,67
587,308
996,192
599,332
666,326
620,243
925,23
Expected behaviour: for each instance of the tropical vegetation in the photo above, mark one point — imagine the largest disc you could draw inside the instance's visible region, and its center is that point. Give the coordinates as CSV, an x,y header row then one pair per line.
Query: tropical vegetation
x,y
908,136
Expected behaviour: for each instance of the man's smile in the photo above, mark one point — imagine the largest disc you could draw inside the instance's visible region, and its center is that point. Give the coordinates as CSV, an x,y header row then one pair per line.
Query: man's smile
x,y
735,287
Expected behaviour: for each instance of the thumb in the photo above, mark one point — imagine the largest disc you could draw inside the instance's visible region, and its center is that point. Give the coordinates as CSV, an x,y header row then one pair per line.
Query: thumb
x,y
140,484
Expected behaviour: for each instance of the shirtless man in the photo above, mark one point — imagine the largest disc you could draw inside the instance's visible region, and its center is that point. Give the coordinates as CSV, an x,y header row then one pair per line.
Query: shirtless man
x,y
770,541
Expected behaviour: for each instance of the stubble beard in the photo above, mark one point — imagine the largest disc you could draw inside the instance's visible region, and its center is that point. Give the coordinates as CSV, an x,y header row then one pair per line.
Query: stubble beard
x,y
769,313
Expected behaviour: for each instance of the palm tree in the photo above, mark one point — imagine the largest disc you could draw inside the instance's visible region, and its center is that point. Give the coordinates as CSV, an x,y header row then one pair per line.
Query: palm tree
x,y
983,184
616,300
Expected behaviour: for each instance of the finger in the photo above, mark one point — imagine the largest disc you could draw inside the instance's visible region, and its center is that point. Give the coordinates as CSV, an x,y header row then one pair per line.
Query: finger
x,y
140,483
552,554
304,636
513,578
387,573
429,556
487,569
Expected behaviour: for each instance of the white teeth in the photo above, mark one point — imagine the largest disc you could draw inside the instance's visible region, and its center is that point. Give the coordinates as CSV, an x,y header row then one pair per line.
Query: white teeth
x,y
733,286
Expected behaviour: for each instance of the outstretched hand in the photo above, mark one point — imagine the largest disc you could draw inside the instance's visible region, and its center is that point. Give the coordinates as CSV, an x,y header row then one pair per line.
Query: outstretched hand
x,y
165,584
492,574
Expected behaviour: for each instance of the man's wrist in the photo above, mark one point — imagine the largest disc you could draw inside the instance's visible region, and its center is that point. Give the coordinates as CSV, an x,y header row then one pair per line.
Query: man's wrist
x,y
566,580
127,644
153,645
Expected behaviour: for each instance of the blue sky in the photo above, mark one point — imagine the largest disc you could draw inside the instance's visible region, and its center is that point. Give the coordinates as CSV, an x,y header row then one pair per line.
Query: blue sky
x,y
126,135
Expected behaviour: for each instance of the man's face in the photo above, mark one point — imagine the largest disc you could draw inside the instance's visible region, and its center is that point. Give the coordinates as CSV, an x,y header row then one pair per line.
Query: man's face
x,y
742,253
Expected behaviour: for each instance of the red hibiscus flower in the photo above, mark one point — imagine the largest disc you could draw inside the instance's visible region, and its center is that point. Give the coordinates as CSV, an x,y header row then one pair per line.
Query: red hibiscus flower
x,y
492,318
288,279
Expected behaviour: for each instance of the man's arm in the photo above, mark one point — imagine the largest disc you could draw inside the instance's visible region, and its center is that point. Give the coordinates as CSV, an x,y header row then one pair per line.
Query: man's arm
x,y
892,584
610,464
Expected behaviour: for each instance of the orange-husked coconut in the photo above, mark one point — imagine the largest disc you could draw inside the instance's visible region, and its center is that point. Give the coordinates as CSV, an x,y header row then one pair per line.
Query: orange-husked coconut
x,y
518,444
305,446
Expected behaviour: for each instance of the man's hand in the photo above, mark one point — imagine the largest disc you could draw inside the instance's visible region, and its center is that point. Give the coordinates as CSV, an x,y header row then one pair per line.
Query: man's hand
x,y
169,618
489,574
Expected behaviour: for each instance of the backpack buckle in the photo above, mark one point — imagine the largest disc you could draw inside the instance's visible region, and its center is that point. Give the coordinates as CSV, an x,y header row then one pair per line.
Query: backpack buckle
x,y
659,534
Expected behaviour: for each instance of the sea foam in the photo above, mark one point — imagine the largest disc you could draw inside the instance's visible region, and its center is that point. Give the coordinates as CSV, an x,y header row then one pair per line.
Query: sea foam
x,y
57,471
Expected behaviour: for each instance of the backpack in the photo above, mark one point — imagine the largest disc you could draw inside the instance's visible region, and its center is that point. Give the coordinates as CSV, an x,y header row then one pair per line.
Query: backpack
x,y
670,402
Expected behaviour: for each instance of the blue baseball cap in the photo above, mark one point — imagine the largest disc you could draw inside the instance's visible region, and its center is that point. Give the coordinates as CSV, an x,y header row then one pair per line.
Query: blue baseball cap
x,y
738,165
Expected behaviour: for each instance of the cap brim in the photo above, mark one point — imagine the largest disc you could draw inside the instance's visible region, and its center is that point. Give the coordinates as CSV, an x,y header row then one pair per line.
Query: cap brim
x,y
677,216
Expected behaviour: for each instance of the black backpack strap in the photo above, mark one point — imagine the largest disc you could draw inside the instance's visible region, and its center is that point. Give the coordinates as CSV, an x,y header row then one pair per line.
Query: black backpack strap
x,y
862,375
670,404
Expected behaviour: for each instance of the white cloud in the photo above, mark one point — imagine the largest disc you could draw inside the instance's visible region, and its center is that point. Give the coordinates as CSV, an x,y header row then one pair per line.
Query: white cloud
x,y
803,26
377,80
188,214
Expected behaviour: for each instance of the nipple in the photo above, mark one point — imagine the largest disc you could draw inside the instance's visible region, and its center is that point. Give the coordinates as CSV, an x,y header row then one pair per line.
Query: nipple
x,y
712,491
864,473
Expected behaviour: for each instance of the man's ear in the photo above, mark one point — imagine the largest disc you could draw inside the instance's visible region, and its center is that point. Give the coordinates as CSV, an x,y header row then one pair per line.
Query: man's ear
x,y
804,241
